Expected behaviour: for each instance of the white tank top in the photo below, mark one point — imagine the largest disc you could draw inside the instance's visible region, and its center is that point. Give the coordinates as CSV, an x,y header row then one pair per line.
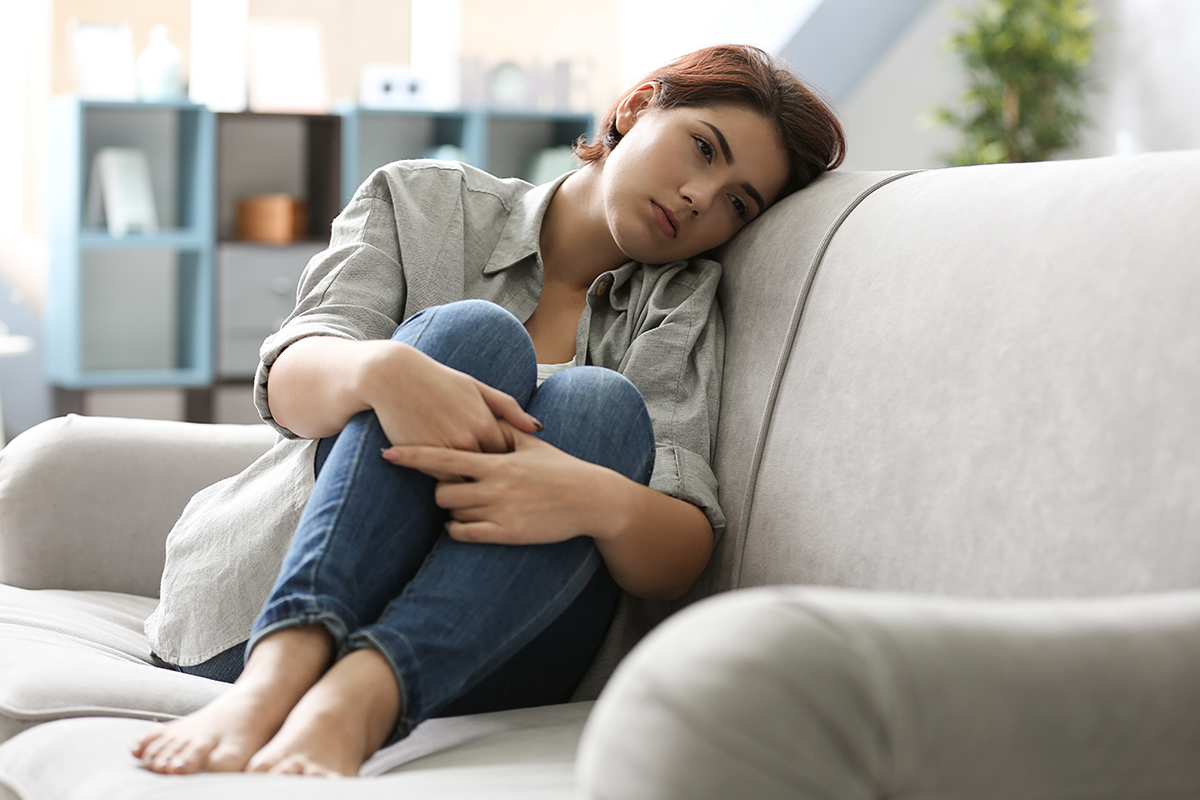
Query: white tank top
x,y
546,370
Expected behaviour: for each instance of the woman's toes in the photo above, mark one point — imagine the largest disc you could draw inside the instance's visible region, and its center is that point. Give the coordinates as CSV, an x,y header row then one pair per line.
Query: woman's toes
x,y
163,757
288,766
142,742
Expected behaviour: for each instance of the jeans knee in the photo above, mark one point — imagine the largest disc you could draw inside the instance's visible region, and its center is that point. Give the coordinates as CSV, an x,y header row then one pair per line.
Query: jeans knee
x,y
597,414
475,317
477,337
608,393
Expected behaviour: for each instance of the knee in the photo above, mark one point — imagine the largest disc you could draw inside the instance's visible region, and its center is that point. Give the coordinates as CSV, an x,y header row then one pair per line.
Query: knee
x,y
476,337
605,393
584,404
476,317
750,694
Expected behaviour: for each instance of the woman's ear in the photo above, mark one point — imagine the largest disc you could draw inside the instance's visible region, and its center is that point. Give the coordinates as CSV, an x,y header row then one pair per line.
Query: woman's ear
x,y
633,104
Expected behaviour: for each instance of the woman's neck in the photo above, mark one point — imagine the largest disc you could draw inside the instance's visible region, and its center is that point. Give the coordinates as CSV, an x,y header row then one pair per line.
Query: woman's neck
x,y
575,241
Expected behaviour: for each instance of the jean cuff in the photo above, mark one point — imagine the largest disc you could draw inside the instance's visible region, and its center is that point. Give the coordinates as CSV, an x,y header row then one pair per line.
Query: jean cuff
x,y
409,716
298,611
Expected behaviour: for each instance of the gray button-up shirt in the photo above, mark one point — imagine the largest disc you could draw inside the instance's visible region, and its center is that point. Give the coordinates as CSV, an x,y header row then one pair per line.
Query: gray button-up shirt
x,y
419,234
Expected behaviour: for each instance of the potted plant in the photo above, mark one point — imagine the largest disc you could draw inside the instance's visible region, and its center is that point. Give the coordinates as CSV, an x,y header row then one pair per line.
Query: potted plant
x,y
1027,63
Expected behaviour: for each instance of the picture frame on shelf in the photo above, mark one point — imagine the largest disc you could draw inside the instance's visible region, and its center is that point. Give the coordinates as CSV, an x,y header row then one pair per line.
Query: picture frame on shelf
x,y
120,194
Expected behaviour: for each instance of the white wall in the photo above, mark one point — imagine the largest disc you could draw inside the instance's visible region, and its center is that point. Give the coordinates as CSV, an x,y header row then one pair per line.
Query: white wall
x,y
24,57
653,32
1147,71
1149,66
883,116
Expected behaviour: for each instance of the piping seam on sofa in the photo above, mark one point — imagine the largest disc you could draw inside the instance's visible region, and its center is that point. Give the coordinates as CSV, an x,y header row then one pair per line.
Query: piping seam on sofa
x,y
785,355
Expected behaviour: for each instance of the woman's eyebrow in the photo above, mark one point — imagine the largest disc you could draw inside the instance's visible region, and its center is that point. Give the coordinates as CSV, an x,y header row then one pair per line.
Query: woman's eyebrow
x,y
758,198
723,143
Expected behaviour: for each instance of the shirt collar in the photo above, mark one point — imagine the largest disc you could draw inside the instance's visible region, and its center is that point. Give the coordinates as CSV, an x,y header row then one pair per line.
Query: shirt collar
x,y
520,238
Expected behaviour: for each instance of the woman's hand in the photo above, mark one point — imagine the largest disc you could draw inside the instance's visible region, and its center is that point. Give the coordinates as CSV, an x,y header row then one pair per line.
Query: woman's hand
x,y
318,383
534,494
653,544
420,401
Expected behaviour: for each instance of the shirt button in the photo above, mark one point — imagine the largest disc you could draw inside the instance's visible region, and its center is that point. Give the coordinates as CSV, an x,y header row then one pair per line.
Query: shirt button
x,y
601,287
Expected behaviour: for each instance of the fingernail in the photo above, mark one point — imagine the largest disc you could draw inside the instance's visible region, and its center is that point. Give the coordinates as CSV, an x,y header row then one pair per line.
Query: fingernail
x,y
536,423
388,453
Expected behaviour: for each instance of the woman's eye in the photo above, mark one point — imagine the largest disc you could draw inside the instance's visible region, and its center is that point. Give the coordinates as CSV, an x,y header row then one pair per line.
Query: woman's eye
x,y
706,149
739,205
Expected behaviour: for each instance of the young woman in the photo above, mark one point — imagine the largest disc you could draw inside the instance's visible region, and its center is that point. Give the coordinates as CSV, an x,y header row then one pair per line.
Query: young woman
x,y
477,506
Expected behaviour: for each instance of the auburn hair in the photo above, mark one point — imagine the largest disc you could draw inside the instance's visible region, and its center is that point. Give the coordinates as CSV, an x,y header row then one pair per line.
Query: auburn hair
x,y
741,75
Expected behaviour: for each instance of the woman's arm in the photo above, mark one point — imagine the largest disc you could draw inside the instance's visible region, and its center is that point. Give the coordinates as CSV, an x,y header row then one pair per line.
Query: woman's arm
x,y
661,546
318,383
654,545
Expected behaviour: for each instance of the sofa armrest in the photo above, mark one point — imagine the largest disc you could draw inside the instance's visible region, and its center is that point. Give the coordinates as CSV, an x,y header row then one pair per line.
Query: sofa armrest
x,y
87,502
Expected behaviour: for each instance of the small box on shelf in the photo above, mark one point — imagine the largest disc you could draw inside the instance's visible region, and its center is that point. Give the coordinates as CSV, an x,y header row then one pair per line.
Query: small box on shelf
x,y
271,218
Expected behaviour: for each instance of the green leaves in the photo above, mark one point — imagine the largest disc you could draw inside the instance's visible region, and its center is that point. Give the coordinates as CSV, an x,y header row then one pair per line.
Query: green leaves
x,y
1026,63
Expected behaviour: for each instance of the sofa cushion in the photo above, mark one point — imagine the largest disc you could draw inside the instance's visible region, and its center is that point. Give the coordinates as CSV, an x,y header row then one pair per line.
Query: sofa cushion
x,y
526,753
78,663
87,502
992,389
72,654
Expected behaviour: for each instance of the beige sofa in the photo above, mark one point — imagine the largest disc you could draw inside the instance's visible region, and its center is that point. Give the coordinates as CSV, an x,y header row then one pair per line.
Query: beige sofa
x,y
944,390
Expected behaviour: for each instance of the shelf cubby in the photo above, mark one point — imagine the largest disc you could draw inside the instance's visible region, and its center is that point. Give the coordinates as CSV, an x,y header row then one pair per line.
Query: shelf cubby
x,y
132,310
186,305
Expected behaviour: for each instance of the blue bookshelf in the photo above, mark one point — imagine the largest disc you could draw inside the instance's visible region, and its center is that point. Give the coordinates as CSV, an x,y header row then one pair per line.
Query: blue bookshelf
x,y
142,310
504,142
134,310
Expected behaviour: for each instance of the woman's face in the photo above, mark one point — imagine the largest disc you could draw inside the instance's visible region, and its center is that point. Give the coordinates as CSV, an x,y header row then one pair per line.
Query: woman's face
x,y
684,180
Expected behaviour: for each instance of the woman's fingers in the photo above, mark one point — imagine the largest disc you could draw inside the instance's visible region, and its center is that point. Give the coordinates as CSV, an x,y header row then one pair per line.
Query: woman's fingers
x,y
429,403
482,531
507,408
436,460
528,496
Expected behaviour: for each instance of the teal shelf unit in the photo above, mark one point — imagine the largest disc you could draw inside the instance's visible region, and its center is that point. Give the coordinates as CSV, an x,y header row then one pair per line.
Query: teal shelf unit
x,y
141,310
504,142
136,310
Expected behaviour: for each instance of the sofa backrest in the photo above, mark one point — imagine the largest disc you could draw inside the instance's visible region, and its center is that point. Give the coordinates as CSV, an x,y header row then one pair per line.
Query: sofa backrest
x,y
975,381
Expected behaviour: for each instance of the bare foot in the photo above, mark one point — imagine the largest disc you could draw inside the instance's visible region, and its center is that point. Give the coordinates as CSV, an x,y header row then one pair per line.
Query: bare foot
x,y
222,736
339,723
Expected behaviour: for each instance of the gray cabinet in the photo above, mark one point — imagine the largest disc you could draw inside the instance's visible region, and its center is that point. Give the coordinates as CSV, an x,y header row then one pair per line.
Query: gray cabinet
x,y
257,290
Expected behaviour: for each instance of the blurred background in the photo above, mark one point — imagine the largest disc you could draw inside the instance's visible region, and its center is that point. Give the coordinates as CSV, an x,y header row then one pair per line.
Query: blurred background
x,y
542,70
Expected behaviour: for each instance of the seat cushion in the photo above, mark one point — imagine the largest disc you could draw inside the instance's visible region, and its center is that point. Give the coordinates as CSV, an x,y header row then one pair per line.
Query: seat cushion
x,y
527,754
77,686
73,654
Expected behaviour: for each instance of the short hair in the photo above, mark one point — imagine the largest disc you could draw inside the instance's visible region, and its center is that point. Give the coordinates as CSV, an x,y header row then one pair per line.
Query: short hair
x,y
745,76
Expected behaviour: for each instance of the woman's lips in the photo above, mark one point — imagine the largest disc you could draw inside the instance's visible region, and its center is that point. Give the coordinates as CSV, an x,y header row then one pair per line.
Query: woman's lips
x,y
666,220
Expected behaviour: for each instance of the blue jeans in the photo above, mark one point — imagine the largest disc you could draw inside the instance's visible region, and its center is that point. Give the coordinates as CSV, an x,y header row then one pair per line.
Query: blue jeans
x,y
466,627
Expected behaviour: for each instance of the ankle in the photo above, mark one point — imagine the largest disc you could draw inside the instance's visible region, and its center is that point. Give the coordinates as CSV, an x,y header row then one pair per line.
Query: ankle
x,y
293,658
366,689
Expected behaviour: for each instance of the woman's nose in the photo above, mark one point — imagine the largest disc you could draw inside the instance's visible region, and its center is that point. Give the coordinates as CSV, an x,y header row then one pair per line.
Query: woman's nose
x,y
698,197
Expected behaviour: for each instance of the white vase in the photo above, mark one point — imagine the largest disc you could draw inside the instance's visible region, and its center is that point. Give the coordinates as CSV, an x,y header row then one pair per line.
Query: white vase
x,y
160,69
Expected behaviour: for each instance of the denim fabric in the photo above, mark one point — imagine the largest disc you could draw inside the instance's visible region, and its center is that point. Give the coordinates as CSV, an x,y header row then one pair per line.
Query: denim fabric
x,y
371,560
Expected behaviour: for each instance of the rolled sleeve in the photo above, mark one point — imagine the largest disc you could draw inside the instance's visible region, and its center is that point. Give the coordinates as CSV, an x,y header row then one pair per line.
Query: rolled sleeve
x,y
355,289
683,474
